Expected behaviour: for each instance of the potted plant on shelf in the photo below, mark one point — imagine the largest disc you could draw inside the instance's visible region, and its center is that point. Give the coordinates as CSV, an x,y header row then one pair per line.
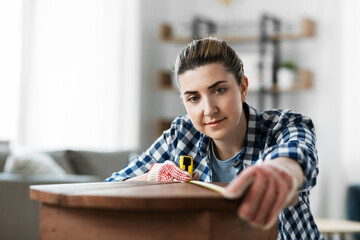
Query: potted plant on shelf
x,y
287,75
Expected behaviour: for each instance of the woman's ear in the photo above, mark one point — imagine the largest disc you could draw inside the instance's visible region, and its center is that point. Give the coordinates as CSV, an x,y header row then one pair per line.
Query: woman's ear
x,y
244,88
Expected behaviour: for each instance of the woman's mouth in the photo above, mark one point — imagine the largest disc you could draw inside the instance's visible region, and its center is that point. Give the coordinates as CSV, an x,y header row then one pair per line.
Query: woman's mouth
x,y
214,123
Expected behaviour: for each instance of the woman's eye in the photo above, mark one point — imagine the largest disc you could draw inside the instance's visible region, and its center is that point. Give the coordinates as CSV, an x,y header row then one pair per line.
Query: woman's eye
x,y
220,90
193,99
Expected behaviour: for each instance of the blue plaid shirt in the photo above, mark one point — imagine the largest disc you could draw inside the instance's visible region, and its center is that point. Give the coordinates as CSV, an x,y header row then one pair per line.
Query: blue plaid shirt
x,y
271,134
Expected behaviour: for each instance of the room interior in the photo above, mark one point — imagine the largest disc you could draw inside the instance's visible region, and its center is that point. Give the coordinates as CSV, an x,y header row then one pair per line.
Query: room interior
x,y
81,96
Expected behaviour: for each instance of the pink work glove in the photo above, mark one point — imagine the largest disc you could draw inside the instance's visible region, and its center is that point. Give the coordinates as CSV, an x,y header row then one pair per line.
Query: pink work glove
x,y
266,189
169,172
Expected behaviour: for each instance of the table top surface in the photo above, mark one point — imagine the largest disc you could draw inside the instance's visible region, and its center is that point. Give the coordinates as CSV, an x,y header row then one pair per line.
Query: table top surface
x,y
133,195
328,225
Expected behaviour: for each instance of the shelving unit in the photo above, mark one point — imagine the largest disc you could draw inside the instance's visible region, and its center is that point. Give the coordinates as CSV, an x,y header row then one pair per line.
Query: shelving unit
x,y
305,82
307,30
163,124
165,81
304,77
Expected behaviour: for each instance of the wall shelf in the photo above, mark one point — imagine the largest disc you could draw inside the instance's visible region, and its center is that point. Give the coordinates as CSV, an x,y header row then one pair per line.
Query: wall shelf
x,y
165,81
307,30
163,124
305,82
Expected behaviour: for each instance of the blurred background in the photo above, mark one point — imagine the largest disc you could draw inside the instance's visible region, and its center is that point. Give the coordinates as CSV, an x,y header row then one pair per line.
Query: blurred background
x,y
97,75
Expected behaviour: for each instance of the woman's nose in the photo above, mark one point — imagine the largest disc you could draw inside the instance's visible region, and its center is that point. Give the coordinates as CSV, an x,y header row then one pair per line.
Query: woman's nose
x,y
209,107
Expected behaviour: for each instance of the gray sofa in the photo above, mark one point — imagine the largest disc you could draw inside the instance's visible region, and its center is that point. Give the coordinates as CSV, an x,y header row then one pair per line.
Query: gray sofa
x,y
19,215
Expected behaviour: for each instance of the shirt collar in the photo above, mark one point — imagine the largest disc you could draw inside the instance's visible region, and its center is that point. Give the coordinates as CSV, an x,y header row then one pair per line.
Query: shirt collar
x,y
204,145
252,141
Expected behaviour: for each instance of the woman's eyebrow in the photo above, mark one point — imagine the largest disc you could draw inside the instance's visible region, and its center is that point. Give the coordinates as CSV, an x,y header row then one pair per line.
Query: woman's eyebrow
x,y
190,92
215,84
210,87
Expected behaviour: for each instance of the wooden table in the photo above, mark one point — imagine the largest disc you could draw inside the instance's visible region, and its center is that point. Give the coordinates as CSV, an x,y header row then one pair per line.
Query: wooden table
x,y
139,210
332,227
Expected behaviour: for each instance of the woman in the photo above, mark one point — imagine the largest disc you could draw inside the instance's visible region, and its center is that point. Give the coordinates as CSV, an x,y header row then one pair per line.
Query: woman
x,y
269,158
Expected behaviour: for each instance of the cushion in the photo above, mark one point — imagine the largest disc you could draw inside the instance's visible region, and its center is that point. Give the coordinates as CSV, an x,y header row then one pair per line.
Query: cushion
x,y
79,162
33,164
60,158
99,163
3,157
4,153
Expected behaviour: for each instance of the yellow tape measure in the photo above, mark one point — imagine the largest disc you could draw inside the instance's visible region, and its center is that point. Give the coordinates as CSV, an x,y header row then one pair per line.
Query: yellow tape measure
x,y
187,163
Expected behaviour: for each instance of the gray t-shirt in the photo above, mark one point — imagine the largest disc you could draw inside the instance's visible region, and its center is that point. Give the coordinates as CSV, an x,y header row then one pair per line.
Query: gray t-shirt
x,y
222,171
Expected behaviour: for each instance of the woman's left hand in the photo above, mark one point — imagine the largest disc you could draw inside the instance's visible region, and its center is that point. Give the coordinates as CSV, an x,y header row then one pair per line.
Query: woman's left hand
x,y
266,189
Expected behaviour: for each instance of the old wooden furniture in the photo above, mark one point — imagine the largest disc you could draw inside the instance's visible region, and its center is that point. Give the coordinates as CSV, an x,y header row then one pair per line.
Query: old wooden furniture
x,y
139,210
341,227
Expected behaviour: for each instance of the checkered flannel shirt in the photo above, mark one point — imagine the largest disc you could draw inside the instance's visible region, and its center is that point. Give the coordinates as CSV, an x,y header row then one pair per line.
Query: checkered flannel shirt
x,y
271,134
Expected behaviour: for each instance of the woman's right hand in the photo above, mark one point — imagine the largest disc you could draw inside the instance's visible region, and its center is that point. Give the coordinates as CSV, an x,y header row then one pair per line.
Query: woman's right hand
x,y
165,172
168,172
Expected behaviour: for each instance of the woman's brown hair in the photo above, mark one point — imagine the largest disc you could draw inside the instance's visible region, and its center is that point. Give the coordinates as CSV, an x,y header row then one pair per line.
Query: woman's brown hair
x,y
205,51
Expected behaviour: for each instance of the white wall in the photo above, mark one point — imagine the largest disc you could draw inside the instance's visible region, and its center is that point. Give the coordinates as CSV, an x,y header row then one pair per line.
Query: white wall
x,y
316,54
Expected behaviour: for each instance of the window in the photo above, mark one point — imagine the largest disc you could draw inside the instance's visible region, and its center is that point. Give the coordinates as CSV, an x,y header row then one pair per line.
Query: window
x,y
79,84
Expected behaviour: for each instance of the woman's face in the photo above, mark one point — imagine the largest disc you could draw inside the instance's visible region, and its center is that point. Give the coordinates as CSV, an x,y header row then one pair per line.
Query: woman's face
x,y
213,100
